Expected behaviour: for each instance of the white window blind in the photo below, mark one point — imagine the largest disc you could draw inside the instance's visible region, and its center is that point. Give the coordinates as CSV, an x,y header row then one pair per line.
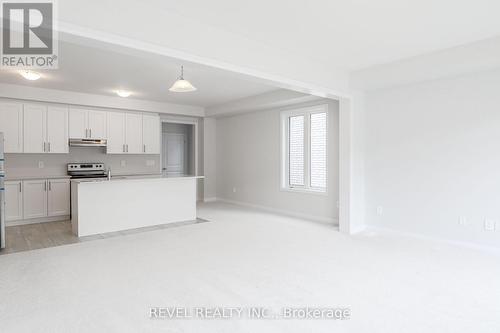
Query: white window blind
x,y
304,153
296,151
318,150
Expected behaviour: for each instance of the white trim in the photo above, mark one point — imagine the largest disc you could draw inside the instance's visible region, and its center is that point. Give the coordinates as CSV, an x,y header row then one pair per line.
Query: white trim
x,y
212,199
38,220
466,244
309,217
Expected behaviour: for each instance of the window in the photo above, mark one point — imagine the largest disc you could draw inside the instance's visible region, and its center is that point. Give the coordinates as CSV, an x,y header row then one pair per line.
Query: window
x,y
304,149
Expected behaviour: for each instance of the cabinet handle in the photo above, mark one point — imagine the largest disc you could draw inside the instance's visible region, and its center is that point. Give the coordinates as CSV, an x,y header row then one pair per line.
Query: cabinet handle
x,y
49,146
90,130
50,185
20,187
144,148
44,147
45,186
127,147
123,148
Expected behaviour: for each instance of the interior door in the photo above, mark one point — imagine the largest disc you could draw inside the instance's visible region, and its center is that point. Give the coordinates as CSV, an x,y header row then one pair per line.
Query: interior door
x,y
35,198
116,133
173,153
35,128
133,134
57,129
11,124
97,124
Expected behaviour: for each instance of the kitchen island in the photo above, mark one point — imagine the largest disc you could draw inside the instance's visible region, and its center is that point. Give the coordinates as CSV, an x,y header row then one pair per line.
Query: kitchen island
x,y
129,202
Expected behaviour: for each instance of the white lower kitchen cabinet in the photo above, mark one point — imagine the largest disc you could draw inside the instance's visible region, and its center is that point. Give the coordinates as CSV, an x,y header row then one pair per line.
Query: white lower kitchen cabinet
x,y
13,200
37,200
58,197
34,198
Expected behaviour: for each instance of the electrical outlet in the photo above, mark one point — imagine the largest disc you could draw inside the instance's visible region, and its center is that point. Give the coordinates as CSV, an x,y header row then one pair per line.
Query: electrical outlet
x,y
462,220
234,189
380,210
41,165
489,225
123,163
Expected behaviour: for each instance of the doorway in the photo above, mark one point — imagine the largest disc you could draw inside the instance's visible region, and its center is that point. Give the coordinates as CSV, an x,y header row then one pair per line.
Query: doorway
x,y
178,149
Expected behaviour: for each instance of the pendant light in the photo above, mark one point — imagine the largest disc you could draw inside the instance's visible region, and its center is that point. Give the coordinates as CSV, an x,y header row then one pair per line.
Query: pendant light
x,y
182,85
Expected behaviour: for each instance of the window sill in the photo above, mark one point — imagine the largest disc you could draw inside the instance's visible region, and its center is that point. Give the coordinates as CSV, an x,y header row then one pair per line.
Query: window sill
x,y
304,191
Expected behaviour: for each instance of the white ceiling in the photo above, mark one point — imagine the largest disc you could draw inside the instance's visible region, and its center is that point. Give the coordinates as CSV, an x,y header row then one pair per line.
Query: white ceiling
x,y
353,34
103,68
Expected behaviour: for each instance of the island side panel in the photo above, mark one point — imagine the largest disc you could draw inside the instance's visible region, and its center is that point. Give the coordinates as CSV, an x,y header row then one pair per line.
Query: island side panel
x,y
122,205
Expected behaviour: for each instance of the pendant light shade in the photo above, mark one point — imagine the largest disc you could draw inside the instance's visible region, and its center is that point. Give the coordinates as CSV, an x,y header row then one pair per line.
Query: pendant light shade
x,y
182,85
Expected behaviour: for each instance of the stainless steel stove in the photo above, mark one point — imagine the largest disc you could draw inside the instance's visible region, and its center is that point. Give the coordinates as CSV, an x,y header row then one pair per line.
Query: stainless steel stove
x,y
87,170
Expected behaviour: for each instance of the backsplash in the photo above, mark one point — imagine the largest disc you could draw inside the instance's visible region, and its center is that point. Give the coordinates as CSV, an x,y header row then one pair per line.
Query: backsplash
x,y
23,165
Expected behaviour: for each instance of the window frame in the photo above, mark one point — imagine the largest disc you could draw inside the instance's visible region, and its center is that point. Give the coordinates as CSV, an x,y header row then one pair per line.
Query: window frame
x,y
285,142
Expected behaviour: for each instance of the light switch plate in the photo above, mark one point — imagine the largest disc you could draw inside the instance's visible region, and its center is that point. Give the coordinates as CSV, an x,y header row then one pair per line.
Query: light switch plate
x,y
123,163
41,165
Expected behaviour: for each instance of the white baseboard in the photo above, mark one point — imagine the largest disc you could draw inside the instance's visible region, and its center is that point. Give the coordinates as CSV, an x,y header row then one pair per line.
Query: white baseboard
x,y
283,212
210,199
471,245
38,220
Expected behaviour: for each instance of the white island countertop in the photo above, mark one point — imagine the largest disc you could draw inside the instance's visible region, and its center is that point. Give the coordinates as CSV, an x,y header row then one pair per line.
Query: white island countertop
x,y
135,177
100,205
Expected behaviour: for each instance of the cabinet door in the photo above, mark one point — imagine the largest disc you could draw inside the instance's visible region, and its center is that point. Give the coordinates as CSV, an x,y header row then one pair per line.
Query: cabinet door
x,y
151,134
13,201
97,124
78,123
11,124
57,129
116,133
34,198
58,197
133,133
35,128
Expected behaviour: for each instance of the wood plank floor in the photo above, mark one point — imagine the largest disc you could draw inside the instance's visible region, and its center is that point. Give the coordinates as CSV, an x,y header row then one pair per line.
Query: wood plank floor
x,y
49,234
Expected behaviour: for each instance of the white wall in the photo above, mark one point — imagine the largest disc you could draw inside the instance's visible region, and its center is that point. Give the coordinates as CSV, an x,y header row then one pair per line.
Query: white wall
x,y
432,155
210,157
248,159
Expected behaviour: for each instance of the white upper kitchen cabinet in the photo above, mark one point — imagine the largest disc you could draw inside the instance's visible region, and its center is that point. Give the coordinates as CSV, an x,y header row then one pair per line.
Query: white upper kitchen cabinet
x,y
58,197
35,120
13,200
45,129
57,129
35,198
133,133
11,124
116,133
97,124
78,123
87,124
151,134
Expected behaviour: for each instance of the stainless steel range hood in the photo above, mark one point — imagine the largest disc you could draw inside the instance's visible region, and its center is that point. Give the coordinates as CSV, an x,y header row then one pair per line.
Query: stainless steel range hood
x,y
87,143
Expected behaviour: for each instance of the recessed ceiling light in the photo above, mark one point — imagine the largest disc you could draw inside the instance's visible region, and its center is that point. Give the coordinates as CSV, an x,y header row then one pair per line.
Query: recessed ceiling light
x,y
30,75
123,93
182,85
